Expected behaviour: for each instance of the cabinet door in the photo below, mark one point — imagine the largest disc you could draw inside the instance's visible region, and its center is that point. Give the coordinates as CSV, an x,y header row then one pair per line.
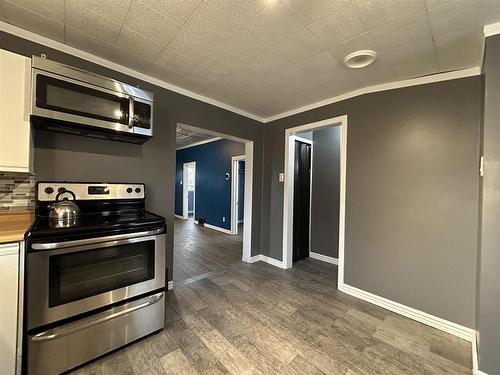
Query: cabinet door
x,y
15,132
9,264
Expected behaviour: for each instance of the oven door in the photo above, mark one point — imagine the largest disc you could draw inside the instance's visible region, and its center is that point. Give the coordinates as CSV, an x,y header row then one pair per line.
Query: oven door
x,y
75,277
66,99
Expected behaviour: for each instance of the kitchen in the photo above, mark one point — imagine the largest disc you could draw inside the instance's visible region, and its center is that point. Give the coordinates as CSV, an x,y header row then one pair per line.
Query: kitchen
x,y
415,149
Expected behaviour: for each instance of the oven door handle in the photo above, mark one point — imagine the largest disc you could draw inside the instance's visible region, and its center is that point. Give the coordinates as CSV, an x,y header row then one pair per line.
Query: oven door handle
x,y
56,333
91,241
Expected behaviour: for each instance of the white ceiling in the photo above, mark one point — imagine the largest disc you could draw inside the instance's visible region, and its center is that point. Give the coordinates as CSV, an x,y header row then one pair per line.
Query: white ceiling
x,y
266,56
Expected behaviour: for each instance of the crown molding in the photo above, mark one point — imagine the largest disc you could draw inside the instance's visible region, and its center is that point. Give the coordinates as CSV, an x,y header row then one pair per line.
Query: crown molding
x,y
36,38
28,35
456,74
491,29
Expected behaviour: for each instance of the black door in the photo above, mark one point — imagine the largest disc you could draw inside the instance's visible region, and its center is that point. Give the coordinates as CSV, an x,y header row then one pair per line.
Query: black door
x,y
301,198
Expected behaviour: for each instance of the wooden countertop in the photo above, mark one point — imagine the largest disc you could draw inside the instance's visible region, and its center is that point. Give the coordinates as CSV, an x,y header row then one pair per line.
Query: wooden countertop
x,y
13,225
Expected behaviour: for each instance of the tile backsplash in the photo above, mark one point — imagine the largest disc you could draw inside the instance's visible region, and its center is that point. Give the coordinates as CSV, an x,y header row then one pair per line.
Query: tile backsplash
x,y
17,191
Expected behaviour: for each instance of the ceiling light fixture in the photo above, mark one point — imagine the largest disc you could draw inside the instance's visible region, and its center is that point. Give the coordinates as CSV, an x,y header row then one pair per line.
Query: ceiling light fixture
x,y
360,59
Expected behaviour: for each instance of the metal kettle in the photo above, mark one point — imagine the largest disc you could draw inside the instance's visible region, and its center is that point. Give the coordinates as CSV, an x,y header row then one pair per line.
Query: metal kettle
x,y
64,211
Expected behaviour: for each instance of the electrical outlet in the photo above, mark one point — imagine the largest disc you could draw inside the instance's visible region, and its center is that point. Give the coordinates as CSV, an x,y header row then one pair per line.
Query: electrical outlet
x,y
223,219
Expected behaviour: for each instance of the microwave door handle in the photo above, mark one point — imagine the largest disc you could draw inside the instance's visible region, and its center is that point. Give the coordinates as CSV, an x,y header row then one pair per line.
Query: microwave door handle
x,y
130,112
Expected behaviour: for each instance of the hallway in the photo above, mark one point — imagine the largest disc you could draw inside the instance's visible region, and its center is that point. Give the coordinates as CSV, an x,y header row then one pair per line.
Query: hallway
x,y
228,317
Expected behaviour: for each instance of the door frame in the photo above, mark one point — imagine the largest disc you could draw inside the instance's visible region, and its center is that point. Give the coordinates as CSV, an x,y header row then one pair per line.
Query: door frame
x,y
249,169
185,200
289,185
235,191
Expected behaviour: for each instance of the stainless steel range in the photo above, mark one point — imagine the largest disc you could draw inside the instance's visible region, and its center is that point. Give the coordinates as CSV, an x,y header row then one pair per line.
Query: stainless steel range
x,y
94,281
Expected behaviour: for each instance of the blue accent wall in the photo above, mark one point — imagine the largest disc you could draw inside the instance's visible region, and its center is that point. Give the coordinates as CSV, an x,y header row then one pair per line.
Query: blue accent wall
x,y
213,191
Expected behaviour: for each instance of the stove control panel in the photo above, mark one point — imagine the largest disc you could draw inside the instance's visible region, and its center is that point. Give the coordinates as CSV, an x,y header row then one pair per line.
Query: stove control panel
x,y
48,191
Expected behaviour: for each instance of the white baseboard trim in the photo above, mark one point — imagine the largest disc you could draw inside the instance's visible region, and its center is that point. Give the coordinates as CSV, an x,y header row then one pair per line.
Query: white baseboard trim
x,y
323,258
170,285
179,217
420,316
214,227
266,259
475,356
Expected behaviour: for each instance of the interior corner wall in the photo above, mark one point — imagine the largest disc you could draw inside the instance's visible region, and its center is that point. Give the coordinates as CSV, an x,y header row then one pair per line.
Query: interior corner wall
x,y
212,191
68,157
412,193
489,267
325,195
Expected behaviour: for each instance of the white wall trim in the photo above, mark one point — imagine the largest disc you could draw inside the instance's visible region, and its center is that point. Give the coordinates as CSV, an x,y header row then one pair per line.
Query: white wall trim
x,y
324,258
475,355
456,74
235,192
288,188
266,259
179,216
199,143
214,227
185,192
304,140
491,29
420,316
28,35
170,285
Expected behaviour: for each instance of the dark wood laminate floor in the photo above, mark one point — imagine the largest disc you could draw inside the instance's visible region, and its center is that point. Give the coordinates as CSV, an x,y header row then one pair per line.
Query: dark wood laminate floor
x,y
227,317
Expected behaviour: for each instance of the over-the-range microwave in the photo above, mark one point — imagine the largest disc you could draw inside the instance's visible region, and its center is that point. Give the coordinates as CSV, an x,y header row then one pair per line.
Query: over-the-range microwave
x,y
75,101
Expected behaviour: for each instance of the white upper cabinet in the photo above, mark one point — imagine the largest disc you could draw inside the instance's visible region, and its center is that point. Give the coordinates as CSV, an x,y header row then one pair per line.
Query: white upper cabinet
x,y
15,130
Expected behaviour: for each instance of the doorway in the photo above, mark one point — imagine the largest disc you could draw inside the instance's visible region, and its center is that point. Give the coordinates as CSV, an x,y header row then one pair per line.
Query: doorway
x,y
289,225
302,198
189,190
237,193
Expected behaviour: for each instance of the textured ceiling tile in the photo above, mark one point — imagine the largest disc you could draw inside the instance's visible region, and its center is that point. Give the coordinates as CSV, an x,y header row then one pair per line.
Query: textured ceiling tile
x,y
429,4
459,49
274,24
463,15
85,42
338,27
379,72
308,11
115,10
329,72
150,23
135,43
53,9
407,30
297,47
210,22
242,11
376,13
132,61
33,22
91,23
412,60
196,47
2,13
163,73
177,10
175,61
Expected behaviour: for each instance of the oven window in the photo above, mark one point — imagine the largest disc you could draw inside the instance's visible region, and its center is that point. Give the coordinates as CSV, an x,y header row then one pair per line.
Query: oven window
x,y
73,276
62,96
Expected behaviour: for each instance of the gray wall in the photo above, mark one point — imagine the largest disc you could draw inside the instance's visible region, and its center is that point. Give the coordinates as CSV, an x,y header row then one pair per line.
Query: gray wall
x,y
68,157
412,193
489,267
325,201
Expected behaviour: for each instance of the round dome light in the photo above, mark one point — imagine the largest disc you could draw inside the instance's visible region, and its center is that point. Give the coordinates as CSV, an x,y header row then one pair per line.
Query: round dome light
x,y
360,59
